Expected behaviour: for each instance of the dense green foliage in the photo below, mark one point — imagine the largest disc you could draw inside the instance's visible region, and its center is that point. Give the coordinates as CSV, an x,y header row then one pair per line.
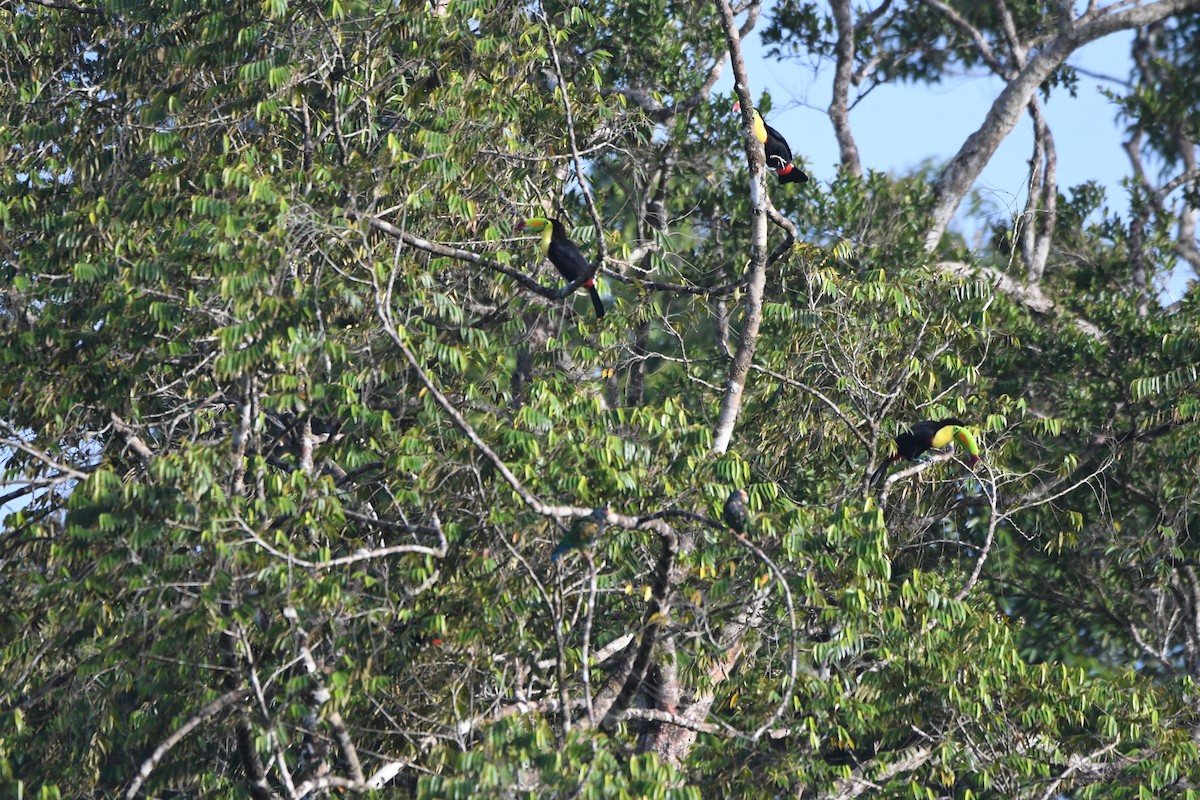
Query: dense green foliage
x,y
292,420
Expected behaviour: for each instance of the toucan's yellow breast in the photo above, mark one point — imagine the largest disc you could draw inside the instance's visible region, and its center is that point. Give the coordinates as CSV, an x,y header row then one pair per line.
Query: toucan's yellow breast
x,y
943,436
760,127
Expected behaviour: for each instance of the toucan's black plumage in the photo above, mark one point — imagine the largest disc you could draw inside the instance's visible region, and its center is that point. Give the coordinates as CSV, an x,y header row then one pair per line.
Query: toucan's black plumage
x,y
924,435
735,514
920,437
565,256
775,147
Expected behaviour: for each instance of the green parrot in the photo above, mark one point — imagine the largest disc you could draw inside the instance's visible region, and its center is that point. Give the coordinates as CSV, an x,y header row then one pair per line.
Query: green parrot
x,y
584,531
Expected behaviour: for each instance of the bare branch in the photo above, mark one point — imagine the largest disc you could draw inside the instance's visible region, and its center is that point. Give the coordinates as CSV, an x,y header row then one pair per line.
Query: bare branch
x,y
64,5
383,308
580,174
360,555
321,695
839,105
739,369
200,717
466,255
242,438
135,442
981,559
981,44
527,282
858,783
1041,206
15,440
785,699
585,665
830,404
1030,296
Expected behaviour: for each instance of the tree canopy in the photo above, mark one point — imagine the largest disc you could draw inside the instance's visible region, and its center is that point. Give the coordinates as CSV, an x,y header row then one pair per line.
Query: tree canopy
x,y
293,413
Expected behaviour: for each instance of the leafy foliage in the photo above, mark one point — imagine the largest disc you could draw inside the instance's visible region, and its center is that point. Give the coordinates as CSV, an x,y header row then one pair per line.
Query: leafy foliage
x,y
293,419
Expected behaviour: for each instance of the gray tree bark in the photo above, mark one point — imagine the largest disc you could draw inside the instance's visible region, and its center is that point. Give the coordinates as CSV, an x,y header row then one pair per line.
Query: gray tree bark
x,y
977,150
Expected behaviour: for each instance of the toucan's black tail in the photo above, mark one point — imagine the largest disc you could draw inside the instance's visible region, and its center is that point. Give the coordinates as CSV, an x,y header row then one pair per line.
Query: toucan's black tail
x,y
879,473
596,304
792,174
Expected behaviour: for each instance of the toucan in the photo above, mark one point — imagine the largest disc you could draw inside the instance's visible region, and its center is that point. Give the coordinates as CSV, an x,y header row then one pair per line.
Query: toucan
x,y
735,514
565,256
584,531
928,434
779,155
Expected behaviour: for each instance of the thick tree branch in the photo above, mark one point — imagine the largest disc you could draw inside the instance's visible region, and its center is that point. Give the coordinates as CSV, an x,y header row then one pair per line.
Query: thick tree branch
x,y
1029,295
655,620
739,369
200,717
858,783
1002,117
320,695
732,638
135,442
1041,206
839,106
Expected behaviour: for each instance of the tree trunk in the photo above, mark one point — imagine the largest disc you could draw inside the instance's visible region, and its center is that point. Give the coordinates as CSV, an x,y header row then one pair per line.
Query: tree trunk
x,y
977,150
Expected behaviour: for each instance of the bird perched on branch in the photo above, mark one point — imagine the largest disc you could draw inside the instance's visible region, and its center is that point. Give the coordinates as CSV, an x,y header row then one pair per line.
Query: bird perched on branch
x,y
584,531
735,514
779,155
565,256
928,434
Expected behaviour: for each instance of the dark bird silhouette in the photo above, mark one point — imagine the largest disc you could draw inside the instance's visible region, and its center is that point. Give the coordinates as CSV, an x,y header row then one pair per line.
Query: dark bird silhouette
x,y
565,256
584,532
735,515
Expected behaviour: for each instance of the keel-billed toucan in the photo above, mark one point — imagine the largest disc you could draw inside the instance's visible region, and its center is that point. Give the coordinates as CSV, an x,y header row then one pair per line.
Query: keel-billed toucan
x,y
779,155
928,434
584,531
565,256
735,514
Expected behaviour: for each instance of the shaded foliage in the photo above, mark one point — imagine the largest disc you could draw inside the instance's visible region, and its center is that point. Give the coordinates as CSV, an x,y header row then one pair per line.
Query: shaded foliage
x,y
293,419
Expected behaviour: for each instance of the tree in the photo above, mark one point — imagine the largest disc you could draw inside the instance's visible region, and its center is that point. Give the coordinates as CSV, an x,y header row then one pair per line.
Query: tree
x,y
294,418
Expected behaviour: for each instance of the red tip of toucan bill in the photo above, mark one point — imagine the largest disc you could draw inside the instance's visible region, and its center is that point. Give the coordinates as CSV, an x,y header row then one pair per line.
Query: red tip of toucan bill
x,y
737,106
